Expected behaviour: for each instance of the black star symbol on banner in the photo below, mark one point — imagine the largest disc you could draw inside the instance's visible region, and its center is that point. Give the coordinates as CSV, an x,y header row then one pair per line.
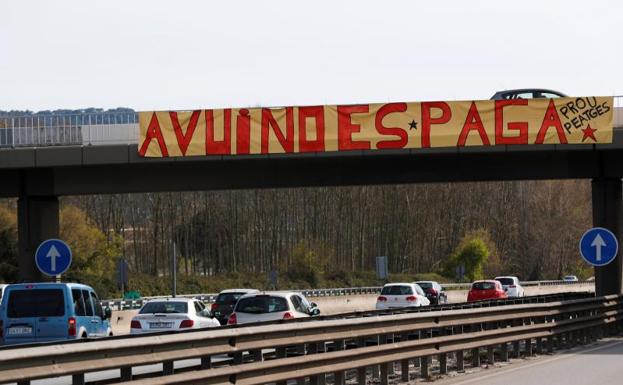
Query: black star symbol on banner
x,y
413,125
589,132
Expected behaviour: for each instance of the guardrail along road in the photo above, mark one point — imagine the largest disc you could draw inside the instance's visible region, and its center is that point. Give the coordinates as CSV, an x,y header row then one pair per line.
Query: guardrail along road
x,y
350,346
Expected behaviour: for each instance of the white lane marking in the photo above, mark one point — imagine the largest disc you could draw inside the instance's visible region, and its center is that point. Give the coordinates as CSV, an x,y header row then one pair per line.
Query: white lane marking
x,y
507,370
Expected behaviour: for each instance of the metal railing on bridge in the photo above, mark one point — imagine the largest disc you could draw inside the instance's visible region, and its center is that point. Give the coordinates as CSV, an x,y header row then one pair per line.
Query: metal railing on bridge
x,y
102,128
97,128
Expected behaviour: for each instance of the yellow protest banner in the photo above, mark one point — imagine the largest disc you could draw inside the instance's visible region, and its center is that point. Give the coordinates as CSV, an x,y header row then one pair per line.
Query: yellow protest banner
x,y
231,131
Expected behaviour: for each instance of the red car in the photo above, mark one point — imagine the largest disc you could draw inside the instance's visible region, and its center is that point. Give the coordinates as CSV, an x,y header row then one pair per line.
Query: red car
x,y
486,289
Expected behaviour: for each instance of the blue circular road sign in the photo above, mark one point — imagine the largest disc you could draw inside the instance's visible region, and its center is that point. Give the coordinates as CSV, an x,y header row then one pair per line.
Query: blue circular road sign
x,y
599,246
53,257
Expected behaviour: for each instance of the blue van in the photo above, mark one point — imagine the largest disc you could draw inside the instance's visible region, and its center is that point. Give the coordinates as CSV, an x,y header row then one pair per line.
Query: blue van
x,y
41,312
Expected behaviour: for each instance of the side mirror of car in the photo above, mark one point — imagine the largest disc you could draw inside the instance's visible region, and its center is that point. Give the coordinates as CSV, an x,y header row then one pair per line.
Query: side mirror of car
x,y
313,304
207,313
107,312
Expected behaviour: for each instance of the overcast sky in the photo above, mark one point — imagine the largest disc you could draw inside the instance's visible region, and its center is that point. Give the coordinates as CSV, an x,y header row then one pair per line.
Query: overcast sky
x,y
148,54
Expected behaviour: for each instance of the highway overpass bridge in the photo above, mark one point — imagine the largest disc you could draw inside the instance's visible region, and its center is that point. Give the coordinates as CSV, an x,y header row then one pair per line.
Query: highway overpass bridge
x,y
97,154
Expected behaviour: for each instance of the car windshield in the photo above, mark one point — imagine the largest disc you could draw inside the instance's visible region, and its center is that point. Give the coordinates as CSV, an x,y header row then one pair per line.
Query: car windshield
x,y
228,298
397,290
36,303
483,285
425,285
262,304
164,307
506,281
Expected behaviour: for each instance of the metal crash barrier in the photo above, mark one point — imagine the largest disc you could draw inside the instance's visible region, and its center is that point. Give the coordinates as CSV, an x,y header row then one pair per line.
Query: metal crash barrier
x,y
120,304
341,348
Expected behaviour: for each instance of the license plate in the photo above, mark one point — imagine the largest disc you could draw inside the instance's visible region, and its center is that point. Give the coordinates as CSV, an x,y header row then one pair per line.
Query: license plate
x,y
20,330
160,325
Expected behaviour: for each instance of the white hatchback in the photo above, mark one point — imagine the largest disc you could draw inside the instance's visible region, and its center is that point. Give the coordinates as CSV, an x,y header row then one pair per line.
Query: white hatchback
x,y
172,314
511,286
397,295
271,306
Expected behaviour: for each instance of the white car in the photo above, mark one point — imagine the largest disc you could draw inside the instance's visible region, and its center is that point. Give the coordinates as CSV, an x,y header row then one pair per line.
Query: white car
x,y
570,278
397,295
172,314
511,286
225,302
271,306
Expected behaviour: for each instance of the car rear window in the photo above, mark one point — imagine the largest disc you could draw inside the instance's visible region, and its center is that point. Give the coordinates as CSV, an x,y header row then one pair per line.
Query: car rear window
x,y
506,281
397,290
228,298
425,285
262,304
483,285
36,303
164,307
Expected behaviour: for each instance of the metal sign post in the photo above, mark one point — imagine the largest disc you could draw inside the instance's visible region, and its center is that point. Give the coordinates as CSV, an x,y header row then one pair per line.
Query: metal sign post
x,y
174,271
122,275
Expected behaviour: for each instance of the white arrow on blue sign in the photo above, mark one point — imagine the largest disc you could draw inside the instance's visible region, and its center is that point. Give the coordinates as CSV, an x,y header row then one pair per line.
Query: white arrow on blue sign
x,y
53,257
599,246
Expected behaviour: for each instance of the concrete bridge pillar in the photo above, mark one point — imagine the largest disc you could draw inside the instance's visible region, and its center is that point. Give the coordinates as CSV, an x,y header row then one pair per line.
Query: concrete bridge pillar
x,y
37,220
608,213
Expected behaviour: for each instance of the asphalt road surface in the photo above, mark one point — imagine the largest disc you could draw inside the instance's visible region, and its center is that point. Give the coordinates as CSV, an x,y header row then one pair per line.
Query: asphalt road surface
x,y
598,363
114,374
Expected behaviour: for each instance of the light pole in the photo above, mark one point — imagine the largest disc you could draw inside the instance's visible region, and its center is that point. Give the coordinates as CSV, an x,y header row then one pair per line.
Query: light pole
x,y
174,271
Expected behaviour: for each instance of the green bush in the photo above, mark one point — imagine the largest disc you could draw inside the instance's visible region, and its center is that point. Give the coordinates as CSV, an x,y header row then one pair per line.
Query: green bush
x,y
473,253
307,264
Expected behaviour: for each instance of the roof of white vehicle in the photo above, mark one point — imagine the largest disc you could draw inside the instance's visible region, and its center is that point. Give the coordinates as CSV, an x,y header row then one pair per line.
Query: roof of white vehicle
x,y
486,280
238,291
176,299
507,276
283,294
399,284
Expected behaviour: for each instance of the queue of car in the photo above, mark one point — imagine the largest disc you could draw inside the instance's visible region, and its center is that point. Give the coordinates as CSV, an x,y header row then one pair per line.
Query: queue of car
x,y
44,312
40,312
499,288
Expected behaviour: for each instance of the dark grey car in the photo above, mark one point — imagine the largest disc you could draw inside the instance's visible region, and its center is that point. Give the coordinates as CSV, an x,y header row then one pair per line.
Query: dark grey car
x,y
527,93
434,292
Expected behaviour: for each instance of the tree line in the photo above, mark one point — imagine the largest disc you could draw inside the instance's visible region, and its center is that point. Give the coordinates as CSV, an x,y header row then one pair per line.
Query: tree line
x,y
531,229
